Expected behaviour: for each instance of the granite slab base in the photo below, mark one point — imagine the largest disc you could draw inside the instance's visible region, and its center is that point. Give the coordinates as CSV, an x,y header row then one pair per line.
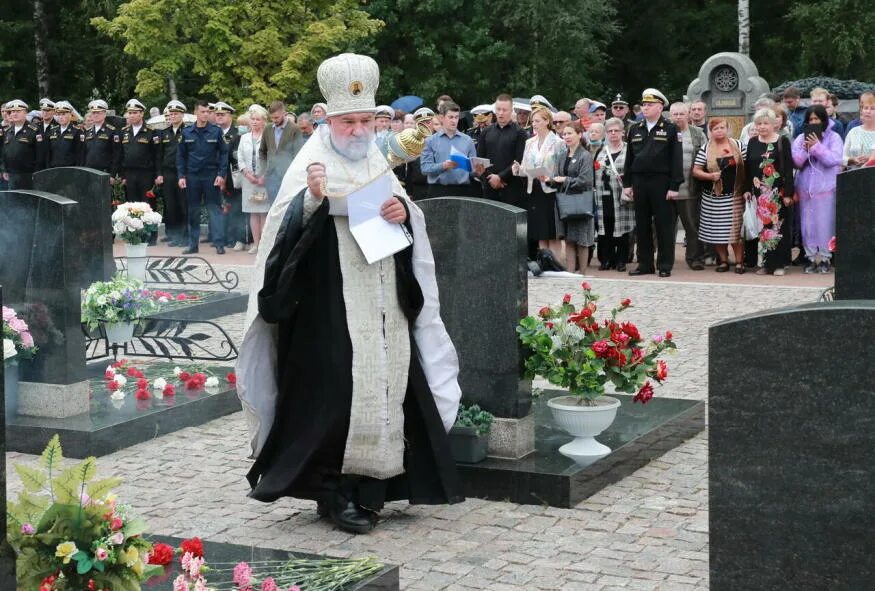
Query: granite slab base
x,y
208,305
113,425
512,438
38,399
230,554
638,435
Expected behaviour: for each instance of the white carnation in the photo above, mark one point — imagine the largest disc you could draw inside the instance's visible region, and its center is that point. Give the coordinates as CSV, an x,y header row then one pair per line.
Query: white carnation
x,y
120,379
118,394
177,370
159,384
9,349
212,382
111,368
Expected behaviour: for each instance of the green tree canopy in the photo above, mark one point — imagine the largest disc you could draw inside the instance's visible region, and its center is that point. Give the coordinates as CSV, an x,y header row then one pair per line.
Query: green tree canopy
x,y
239,50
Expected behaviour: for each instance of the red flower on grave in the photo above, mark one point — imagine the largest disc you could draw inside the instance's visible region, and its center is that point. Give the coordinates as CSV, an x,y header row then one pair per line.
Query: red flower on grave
x,y
601,348
544,312
194,545
566,299
232,378
169,390
143,395
661,370
586,286
112,385
668,335
631,330
161,554
142,383
625,302
185,376
109,375
644,394
132,371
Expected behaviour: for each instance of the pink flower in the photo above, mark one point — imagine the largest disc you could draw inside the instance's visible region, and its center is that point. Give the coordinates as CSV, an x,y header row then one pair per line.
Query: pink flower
x,y
657,338
194,566
117,539
17,324
109,375
180,297
586,286
269,585
101,554
242,574
8,314
27,529
179,584
832,244
26,339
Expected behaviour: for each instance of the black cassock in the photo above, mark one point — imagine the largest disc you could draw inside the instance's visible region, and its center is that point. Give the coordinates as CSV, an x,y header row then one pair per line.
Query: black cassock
x,y
303,454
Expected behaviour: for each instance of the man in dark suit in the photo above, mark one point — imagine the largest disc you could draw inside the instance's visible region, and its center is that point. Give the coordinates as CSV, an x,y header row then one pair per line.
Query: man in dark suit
x,y
279,145
503,143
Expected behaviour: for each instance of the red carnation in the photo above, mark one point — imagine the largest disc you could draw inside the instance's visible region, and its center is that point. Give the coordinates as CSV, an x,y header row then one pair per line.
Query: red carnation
x,y
600,348
169,390
625,302
109,375
644,394
143,395
185,376
566,298
142,383
161,554
668,335
232,378
596,165
112,385
192,384
544,312
661,371
548,324
586,286
202,378
194,546
150,194
132,371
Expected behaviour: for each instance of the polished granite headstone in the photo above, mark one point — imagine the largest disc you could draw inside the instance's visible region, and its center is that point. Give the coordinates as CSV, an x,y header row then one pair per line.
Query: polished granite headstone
x,y
226,556
480,259
111,425
639,434
90,188
855,226
40,267
7,556
792,449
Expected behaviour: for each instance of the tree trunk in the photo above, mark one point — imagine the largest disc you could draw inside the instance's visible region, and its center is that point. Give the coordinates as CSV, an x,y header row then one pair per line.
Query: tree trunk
x,y
40,32
744,27
171,88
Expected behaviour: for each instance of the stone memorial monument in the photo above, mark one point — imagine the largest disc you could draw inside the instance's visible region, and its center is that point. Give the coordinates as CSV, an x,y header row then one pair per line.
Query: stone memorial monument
x,y
855,226
729,84
791,454
480,257
91,190
41,268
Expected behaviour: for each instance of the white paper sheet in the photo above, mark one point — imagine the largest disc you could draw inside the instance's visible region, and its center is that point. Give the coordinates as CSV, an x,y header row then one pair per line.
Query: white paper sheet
x,y
537,172
376,237
484,162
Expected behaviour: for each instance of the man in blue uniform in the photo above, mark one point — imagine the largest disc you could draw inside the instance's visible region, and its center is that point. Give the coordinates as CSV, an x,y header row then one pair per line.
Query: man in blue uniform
x,y
202,164
654,172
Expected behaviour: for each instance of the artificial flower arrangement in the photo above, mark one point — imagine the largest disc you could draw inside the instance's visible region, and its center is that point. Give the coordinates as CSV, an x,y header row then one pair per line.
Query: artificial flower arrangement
x,y
134,222
123,376
571,348
70,533
17,338
122,299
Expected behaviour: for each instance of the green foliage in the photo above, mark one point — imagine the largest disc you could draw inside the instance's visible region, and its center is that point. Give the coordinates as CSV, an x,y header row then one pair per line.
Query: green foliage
x,y
266,50
54,521
474,416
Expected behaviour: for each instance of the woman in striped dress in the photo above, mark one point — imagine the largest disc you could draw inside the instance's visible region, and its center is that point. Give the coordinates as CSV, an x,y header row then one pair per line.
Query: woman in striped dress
x,y
719,165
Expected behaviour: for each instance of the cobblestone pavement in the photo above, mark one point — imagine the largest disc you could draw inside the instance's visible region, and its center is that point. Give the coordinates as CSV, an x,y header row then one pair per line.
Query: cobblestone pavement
x,y
648,531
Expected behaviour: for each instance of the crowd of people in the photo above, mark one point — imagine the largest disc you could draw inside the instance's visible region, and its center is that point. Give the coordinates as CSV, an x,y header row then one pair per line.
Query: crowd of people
x,y
606,181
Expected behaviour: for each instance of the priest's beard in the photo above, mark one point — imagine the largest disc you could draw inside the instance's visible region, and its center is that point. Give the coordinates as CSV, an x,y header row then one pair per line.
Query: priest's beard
x,y
353,148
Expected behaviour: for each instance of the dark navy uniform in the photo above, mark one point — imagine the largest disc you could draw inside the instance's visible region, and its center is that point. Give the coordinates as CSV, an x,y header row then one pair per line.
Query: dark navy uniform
x,y
101,148
200,158
64,146
139,161
174,197
22,154
654,166
235,221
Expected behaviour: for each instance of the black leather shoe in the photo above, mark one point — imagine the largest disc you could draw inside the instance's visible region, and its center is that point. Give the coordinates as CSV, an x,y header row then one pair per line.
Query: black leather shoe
x,y
697,267
352,518
639,271
621,267
220,250
547,261
322,509
665,273
190,250
604,266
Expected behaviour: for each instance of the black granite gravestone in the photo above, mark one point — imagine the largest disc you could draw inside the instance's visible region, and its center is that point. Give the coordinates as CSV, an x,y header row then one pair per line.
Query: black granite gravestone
x,y
480,254
91,190
792,449
7,556
40,266
855,226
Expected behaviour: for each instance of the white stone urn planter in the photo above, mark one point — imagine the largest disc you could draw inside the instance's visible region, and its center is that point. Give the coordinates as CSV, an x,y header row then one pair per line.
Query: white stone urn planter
x,y
137,259
584,423
120,333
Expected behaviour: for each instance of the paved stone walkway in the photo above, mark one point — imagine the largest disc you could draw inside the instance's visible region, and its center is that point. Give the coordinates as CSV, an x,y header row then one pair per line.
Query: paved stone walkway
x,y
649,531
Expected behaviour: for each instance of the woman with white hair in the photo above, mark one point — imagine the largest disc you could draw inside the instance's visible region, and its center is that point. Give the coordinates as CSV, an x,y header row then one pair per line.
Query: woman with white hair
x,y
769,166
255,199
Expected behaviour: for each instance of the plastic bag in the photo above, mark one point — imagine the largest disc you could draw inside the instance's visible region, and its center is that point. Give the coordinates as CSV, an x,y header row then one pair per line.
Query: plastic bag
x,y
752,226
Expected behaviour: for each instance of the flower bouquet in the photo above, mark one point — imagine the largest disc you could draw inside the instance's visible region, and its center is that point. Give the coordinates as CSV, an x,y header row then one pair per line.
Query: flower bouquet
x,y
69,533
572,349
120,301
17,338
134,222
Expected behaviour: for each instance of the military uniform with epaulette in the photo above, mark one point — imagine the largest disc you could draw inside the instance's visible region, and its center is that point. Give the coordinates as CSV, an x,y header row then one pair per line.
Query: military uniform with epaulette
x,y
100,148
64,144
654,166
175,214
22,151
234,220
139,160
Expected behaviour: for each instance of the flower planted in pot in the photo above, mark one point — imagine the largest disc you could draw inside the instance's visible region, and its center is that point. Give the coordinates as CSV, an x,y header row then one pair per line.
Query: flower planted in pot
x,y
571,348
18,344
118,304
469,437
135,223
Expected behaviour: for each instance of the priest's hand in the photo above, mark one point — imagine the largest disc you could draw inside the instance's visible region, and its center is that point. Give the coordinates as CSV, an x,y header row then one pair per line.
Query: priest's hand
x,y
393,211
316,180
